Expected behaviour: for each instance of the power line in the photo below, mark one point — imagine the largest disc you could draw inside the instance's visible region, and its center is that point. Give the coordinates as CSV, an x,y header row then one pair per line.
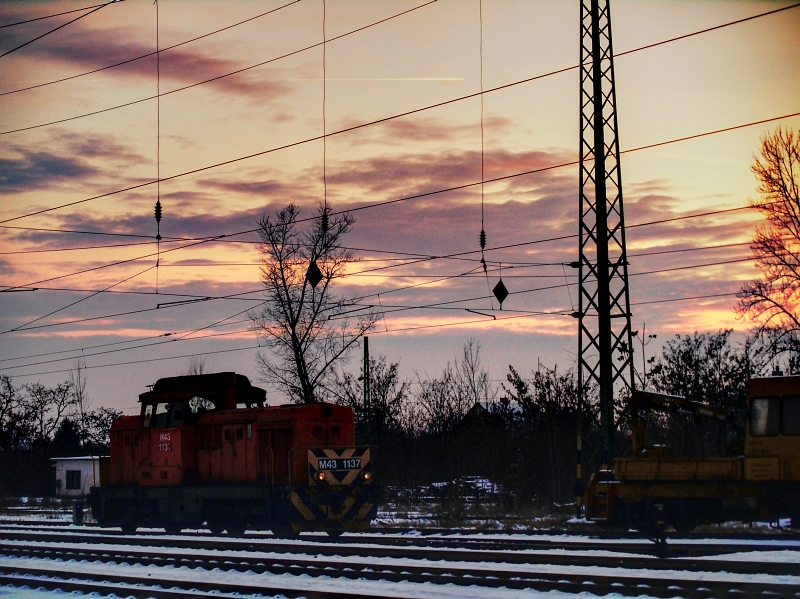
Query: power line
x,y
57,28
194,39
439,325
58,14
23,327
184,336
94,268
394,201
42,229
165,305
90,367
185,333
427,258
72,249
648,46
113,351
217,78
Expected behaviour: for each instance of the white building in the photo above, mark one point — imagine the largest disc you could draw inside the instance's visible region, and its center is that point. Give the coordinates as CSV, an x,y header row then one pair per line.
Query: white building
x,y
74,476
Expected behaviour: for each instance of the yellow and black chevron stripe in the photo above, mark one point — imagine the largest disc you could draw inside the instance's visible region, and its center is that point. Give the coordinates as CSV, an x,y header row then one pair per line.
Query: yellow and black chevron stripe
x,y
339,466
356,507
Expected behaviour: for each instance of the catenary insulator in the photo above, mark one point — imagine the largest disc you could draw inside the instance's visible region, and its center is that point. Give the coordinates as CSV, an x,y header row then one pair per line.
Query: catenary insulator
x,y
158,211
483,239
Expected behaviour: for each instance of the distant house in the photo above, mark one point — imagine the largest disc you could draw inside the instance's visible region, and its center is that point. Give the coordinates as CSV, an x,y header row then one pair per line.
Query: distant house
x,y
74,476
485,413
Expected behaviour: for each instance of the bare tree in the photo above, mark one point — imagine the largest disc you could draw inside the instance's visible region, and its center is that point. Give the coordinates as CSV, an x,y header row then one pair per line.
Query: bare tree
x,y
45,408
82,403
197,365
471,380
775,297
9,412
388,398
302,322
442,403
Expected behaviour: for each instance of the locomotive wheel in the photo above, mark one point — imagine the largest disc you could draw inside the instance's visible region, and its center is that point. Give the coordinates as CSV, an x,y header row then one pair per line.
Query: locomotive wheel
x,y
284,530
334,534
236,529
216,527
129,528
173,528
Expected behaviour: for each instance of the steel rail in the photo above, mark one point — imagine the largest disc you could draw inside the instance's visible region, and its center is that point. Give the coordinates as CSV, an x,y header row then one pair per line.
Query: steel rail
x,y
628,584
779,534
147,556
256,542
147,588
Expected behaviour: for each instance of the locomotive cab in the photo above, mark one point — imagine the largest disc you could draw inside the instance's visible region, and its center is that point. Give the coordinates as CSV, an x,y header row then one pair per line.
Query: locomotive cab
x,y
772,441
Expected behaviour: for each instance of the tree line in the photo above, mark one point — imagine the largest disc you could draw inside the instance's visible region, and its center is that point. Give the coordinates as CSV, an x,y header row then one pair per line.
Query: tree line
x,y
522,433
39,422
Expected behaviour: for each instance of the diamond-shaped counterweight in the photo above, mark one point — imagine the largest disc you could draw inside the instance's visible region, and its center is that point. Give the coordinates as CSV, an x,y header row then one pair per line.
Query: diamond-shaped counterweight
x,y
500,292
313,274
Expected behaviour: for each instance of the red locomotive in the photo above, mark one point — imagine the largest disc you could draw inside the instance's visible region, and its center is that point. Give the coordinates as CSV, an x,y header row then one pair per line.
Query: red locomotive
x,y
205,449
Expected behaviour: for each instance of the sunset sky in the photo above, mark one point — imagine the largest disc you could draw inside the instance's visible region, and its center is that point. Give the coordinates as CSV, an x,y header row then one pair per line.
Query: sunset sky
x,y
728,77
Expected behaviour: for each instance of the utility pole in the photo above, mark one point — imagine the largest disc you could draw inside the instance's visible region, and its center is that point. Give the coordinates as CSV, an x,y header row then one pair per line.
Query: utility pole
x,y
366,382
605,350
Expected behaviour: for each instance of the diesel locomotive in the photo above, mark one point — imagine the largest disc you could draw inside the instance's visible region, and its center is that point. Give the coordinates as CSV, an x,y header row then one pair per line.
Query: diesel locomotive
x,y
206,451
651,490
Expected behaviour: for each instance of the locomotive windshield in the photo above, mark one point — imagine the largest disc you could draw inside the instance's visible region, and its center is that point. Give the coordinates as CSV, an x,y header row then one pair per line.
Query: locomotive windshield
x,y
770,416
166,415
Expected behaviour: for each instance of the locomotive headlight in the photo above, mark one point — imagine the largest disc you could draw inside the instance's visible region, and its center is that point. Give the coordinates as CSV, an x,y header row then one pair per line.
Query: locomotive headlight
x,y
367,475
320,476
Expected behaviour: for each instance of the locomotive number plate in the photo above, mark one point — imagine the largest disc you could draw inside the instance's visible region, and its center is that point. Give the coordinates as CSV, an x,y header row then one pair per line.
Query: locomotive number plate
x,y
339,464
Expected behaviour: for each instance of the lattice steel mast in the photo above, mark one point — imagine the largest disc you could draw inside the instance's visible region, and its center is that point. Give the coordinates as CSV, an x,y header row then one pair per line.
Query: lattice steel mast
x,y
605,357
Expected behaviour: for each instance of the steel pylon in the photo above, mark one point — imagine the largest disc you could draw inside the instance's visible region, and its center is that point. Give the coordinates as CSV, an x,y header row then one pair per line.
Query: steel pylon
x,y
605,350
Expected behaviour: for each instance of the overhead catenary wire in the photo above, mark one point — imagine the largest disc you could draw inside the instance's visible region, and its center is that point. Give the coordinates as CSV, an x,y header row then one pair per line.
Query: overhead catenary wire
x,y
667,219
174,334
38,37
646,47
482,235
130,60
218,77
158,149
438,325
58,14
397,200
22,327
563,237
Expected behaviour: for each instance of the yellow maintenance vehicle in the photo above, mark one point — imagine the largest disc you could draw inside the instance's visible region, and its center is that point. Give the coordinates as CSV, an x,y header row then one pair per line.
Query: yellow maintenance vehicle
x,y
651,491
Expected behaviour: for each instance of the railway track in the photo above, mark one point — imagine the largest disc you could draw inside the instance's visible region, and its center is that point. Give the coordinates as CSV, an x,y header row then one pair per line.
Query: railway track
x,y
782,534
391,544
282,568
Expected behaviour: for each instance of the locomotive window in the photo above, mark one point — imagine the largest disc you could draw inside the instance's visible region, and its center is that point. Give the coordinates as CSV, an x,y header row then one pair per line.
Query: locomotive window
x,y
148,414
239,433
175,413
765,417
201,404
168,415
791,416
162,415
